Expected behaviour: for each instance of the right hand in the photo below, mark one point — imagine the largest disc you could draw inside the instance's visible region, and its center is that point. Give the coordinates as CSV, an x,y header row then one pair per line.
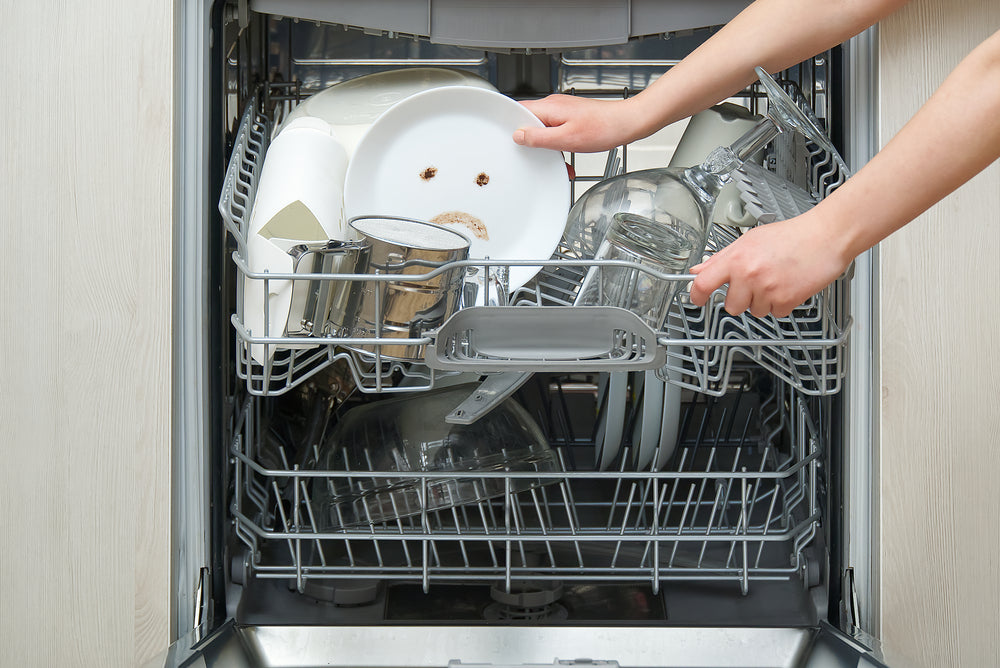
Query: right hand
x,y
578,124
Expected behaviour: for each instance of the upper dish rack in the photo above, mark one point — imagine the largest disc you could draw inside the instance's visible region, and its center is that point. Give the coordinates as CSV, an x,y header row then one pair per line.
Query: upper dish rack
x,y
696,348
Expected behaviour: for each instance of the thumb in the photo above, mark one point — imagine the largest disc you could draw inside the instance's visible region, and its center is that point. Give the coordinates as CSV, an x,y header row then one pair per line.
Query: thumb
x,y
551,138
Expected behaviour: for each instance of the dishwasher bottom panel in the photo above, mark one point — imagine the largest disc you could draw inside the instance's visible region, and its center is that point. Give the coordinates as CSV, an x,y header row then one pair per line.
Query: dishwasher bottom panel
x,y
232,646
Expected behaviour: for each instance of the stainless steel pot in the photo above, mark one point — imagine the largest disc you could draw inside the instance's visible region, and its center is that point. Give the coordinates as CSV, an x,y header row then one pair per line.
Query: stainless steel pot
x,y
408,306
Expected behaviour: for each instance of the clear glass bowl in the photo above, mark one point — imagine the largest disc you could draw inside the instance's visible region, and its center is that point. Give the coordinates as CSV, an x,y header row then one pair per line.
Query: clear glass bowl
x,y
409,434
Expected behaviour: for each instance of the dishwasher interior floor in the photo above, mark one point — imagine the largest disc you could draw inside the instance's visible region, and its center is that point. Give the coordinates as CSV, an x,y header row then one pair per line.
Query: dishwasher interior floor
x,y
767,604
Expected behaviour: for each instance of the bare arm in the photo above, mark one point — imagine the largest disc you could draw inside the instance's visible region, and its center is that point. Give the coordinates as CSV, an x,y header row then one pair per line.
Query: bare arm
x,y
774,34
954,136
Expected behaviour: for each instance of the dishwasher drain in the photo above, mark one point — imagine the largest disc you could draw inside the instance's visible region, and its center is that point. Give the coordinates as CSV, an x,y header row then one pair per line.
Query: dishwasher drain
x,y
527,601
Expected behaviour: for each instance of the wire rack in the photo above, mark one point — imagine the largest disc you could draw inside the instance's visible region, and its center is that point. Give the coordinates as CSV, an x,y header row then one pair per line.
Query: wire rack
x,y
738,503
699,345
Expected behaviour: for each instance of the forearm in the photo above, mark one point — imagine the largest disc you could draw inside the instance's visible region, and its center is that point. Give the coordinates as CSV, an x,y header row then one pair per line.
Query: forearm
x,y
773,34
954,136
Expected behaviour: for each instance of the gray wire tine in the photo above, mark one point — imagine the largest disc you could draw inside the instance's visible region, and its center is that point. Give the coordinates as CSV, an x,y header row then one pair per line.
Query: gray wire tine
x,y
673,491
624,524
736,462
655,540
567,491
708,469
745,582
680,525
402,530
340,513
767,523
711,521
284,520
542,526
461,543
740,522
434,528
545,506
507,541
488,525
571,520
368,517
518,523
656,526
312,521
425,526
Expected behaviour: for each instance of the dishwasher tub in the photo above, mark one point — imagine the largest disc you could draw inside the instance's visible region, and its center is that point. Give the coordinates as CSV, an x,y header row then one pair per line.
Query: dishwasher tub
x,y
723,557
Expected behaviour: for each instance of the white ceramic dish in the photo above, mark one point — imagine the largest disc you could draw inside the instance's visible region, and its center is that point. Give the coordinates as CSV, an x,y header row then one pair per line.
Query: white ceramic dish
x,y
446,155
649,421
350,107
720,125
299,199
670,424
609,440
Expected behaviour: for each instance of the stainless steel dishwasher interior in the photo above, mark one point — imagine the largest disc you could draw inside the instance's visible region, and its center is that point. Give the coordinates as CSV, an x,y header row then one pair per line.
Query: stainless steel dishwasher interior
x,y
727,546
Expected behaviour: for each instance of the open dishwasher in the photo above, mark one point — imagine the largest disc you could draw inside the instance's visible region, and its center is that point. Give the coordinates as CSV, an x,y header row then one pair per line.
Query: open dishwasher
x,y
712,539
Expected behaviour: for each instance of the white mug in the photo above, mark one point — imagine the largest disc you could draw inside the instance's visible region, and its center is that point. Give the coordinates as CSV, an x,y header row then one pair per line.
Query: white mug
x,y
707,130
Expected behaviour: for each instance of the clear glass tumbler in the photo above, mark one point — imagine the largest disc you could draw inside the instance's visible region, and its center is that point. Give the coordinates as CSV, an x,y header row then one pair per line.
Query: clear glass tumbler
x,y
653,246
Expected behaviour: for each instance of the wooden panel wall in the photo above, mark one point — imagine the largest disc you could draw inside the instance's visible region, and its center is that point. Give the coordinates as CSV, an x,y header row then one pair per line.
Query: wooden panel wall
x,y
85,250
940,370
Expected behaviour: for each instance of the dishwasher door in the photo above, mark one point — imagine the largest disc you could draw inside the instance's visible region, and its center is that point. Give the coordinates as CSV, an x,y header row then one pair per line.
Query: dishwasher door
x,y
231,646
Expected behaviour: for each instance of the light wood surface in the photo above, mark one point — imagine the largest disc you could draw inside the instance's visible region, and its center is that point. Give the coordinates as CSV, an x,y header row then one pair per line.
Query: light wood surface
x,y
940,371
85,296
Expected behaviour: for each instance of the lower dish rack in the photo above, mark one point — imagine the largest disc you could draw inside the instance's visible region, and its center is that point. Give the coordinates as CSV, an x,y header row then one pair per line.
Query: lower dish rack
x,y
696,349
739,501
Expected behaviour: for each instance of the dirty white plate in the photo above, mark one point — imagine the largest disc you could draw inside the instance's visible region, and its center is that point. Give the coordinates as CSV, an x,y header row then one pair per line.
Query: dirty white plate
x,y
446,155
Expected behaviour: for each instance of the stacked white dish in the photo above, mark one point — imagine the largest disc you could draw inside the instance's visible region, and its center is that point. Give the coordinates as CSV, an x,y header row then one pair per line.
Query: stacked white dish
x,y
300,193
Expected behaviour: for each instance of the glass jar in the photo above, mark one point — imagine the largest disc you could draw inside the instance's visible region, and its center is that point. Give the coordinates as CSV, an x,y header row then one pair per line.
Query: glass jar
x,y
655,246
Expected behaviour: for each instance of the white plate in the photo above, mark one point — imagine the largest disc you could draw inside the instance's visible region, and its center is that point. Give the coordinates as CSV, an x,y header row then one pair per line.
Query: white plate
x,y
649,419
447,154
612,427
350,107
670,423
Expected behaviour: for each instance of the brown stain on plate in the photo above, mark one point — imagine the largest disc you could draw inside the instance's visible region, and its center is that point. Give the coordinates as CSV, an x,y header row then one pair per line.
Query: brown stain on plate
x,y
467,220
482,179
429,173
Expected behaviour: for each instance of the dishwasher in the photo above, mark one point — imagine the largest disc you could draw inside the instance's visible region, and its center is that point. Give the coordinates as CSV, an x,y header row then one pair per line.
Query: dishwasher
x,y
717,538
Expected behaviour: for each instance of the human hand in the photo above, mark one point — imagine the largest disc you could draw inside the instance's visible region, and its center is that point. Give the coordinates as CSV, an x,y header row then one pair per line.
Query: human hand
x,y
578,124
773,268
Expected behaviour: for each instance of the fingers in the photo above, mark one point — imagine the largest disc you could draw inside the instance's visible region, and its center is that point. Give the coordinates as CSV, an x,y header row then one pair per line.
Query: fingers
x,y
711,274
739,296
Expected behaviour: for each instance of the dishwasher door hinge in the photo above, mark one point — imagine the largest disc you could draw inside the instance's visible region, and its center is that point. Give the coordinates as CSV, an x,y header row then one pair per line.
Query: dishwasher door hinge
x,y
851,613
849,605
201,598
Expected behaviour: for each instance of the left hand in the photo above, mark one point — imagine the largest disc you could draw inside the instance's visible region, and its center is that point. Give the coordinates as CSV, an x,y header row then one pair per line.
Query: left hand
x,y
773,268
